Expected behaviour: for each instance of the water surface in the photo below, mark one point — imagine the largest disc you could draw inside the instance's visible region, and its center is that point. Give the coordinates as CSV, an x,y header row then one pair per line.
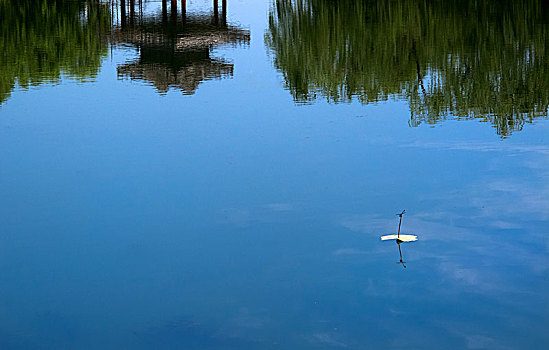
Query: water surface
x,y
221,180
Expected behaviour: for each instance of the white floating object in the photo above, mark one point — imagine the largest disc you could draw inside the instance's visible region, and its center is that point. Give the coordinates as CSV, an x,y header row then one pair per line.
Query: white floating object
x,y
402,238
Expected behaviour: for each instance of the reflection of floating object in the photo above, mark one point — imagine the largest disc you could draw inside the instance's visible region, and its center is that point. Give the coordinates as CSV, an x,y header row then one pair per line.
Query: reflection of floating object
x,y
402,238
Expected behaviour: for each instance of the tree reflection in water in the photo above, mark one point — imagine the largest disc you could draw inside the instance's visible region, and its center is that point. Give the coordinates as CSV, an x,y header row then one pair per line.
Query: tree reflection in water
x,y
41,40
449,59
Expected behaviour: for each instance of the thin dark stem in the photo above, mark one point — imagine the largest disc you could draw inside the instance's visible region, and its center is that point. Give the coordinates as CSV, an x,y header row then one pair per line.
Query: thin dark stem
x,y
400,252
399,223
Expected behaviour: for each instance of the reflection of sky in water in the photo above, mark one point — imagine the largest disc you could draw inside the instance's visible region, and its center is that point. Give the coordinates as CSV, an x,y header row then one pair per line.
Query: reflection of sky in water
x,y
234,219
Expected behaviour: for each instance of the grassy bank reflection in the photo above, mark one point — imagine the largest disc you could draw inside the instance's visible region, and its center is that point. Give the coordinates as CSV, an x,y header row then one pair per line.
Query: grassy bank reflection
x,y
449,59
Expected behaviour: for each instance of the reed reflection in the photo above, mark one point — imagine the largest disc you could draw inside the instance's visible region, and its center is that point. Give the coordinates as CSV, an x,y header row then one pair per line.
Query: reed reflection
x,y
449,59
175,46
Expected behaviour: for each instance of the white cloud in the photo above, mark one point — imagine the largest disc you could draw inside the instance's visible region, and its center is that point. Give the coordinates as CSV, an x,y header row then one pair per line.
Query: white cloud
x,y
280,206
326,339
481,342
482,147
349,251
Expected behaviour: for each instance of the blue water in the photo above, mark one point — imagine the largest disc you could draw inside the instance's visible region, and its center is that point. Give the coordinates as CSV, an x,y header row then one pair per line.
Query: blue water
x,y
236,218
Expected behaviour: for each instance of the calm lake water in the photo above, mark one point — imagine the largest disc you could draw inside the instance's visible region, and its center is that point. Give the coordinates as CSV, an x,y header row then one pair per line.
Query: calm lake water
x,y
221,179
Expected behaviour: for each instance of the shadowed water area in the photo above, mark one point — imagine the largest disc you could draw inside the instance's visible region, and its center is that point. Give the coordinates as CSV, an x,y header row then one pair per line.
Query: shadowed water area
x,y
218,174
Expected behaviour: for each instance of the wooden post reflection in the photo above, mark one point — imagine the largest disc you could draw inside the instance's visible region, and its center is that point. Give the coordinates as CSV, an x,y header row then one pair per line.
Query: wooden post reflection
x,y
123,12
141,12
216,11
132,12
224,12
173,10
164,11
184,11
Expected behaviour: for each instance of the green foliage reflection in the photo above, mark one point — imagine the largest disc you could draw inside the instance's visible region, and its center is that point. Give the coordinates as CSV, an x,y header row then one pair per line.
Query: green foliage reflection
x,y
42,39
464,59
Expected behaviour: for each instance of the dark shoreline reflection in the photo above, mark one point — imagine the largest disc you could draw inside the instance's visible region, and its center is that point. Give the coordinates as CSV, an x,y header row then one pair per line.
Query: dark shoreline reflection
x,y
449,59
175,48
42,40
